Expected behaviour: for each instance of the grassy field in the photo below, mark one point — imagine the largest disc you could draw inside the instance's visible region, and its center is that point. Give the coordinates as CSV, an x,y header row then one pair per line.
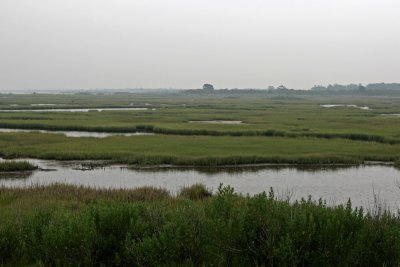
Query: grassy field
x,y
172,113
194,150
65,225
290,130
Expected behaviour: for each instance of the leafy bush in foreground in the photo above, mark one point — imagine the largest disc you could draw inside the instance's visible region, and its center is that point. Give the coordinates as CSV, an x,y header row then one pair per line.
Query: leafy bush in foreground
x,y
223,230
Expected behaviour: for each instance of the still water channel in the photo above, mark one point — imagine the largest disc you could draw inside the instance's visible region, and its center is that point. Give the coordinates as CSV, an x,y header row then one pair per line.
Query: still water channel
x,y
73,133
335,185
71,109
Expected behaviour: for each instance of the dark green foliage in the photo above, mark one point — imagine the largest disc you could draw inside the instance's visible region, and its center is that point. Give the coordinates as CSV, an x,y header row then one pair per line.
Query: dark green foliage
x,y
67,240
223,230
16,166
111,223
9,242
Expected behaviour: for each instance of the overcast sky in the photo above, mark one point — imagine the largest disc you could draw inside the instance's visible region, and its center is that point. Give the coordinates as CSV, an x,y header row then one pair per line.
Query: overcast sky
x,y
59,44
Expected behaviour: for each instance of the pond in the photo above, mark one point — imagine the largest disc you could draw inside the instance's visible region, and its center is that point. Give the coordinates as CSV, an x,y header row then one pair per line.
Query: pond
x,y
73,133
342,105
393,114
335,185
71,109
217,122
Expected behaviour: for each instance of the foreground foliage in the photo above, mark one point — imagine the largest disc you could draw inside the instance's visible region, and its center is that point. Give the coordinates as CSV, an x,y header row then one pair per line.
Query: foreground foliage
x,y
76,226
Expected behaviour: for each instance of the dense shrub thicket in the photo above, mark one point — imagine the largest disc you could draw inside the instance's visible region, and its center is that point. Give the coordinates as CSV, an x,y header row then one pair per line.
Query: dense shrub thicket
x,y
222,230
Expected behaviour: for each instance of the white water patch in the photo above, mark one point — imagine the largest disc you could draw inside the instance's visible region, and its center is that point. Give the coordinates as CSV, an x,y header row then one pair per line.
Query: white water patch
x,y
347,106
46,105
217,122
73,133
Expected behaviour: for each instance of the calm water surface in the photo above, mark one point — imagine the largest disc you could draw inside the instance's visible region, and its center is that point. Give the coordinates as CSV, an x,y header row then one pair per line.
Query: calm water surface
x,y
342,105
69,109
73,133
333,185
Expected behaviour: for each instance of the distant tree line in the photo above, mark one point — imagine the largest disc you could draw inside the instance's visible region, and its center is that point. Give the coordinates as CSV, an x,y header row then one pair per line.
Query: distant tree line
x,y
373,89
350,87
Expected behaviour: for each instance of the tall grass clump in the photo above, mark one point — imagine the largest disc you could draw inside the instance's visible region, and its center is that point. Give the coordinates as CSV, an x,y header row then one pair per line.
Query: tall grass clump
x,y
397,164
16,166
196,191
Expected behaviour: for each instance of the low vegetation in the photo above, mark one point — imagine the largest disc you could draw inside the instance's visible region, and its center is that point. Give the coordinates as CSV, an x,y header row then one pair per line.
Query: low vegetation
x,y
195,150
397,164
16,166
76,226
274,130
170,114
189,132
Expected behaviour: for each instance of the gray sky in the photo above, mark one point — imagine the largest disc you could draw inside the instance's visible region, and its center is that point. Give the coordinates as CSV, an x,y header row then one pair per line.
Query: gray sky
x,y
46,44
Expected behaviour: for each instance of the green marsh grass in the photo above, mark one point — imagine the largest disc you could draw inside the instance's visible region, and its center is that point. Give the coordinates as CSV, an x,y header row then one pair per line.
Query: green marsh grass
x,y
16,166
195,150
261,116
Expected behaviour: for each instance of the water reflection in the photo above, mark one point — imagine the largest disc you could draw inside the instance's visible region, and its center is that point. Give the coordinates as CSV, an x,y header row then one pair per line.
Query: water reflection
x,y
245,168
343,105
334,184
71,109
15,175
73,133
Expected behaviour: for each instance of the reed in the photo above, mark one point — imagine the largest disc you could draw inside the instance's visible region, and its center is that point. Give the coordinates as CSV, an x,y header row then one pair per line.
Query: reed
x,y
196,191
397,164
16,166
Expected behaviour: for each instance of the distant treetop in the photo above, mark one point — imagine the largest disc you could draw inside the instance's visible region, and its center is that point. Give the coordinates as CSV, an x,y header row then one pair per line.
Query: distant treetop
x,y
208,87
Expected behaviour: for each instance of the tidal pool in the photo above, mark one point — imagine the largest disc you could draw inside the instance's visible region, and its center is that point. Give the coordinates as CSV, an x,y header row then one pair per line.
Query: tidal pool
x,y
217,122
73,133
46,105
362,184
342,105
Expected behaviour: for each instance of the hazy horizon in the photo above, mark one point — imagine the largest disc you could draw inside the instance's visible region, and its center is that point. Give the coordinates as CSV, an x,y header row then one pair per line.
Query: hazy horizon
x,y
89,44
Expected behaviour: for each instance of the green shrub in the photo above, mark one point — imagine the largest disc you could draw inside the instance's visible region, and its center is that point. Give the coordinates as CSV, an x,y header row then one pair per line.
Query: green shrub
x,y
225,229
68,240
